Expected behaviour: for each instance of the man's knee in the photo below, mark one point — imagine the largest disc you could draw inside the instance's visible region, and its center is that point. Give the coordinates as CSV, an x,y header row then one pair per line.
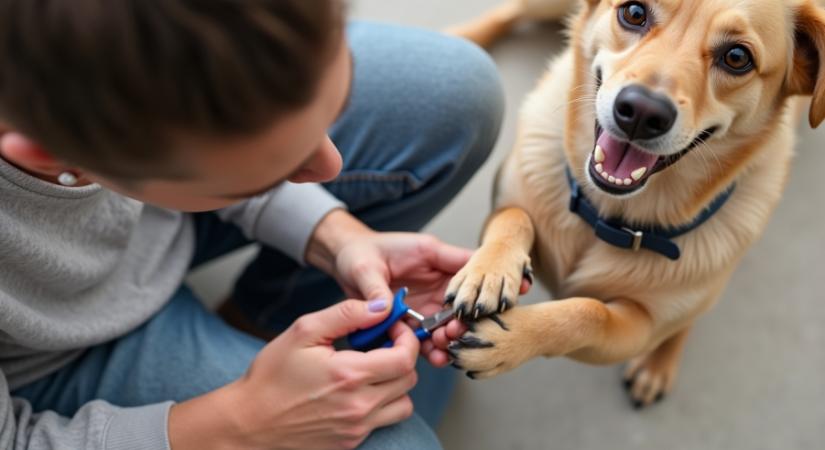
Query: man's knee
x,y
465,101
438,96
424,115
470,100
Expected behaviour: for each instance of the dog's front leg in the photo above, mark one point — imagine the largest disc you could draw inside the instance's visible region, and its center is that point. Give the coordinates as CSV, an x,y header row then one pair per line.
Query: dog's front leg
x,y
490,282
580,328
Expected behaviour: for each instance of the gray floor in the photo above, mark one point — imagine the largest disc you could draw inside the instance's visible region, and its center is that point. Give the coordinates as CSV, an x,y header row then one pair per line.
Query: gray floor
x,y
753,369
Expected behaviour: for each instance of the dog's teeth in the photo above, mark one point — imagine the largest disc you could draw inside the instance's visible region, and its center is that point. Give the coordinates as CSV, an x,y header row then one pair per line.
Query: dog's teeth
x,y
611,179
619,181
627,181
598,154
599,168
638,173
604,175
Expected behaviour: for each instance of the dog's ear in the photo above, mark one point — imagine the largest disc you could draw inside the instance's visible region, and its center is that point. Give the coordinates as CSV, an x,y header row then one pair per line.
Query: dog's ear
x,y
807,74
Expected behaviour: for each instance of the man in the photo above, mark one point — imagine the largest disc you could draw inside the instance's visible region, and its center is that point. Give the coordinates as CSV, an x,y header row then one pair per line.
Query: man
x,y
143,138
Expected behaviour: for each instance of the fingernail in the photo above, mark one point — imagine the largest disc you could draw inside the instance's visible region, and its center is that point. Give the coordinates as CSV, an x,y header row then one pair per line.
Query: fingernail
x,y
377,305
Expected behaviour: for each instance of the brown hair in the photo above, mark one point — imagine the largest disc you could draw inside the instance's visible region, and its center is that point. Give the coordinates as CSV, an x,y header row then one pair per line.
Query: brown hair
x,y
106,84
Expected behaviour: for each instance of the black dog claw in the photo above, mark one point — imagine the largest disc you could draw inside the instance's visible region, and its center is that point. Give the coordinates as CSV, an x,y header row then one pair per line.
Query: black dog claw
x,y
478,311
449,299
460,313
473,342
471,375
495,318
627,383
527,273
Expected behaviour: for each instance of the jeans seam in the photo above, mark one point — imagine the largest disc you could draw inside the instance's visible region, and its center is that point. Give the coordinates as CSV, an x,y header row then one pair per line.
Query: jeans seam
x,y
359,176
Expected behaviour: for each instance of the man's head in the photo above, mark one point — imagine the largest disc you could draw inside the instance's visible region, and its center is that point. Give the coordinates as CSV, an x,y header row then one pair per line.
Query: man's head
x,y
182,103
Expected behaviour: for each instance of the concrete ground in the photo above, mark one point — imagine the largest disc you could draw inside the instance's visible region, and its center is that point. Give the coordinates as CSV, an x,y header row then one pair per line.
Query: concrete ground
x,y
750,371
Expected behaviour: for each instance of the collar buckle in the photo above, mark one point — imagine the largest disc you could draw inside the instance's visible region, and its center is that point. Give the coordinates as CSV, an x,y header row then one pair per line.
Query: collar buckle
x,y
637,238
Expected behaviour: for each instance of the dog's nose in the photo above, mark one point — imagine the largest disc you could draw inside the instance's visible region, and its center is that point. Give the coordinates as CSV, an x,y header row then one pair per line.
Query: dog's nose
x,y
643,114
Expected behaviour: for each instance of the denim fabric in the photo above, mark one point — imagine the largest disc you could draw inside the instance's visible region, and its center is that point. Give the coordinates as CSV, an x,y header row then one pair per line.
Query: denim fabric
x,y
424,115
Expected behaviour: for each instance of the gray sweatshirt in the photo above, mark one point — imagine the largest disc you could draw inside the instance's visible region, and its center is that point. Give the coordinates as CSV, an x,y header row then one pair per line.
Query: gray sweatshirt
x,y
82,266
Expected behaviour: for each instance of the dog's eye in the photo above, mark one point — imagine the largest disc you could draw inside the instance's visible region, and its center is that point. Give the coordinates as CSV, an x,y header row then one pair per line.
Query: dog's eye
x,y
737,60
633,16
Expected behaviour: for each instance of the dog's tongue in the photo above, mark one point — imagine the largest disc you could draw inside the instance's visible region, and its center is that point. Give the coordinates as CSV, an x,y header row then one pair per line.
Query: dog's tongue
x,y
623,163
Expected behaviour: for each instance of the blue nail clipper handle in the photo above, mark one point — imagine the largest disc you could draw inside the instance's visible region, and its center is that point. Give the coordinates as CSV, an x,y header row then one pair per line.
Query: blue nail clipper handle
x,y
376,336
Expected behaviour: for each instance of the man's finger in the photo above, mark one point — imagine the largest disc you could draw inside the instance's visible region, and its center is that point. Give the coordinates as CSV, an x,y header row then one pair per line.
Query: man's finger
x,y
525,286
447,258
438,358
373,284
448,333
341,319
455,329
394,412
427,347
385,364
392,389
430,350
440,339
403,337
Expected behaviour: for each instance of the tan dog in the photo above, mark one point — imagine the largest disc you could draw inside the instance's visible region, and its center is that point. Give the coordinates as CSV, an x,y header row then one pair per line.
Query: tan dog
x,y
689,99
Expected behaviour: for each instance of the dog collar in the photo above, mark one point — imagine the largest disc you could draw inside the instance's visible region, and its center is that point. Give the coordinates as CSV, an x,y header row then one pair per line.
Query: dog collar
x,y
616,232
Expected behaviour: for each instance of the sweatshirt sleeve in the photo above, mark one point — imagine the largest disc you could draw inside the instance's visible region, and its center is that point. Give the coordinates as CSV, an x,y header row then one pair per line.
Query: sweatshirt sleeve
x,y
96,426
283,218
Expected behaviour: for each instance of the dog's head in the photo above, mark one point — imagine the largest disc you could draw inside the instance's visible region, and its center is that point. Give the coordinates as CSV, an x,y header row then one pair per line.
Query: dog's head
x,y
690,77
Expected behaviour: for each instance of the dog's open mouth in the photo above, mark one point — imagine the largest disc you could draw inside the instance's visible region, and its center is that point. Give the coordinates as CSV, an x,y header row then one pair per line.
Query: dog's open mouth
x,y
619,167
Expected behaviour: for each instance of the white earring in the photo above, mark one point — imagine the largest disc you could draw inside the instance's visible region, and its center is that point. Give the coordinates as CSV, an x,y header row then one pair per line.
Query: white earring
x,y
67,179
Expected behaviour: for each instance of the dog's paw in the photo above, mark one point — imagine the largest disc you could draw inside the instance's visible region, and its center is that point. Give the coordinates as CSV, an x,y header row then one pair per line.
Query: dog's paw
x,y
648,378
489,283
492,346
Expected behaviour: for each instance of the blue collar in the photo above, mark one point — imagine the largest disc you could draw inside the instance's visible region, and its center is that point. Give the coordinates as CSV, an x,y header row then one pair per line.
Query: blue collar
x,y
616,232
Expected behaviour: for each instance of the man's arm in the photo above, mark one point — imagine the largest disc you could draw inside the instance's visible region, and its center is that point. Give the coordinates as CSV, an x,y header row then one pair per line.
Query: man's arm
x,y
335,230
284,218
96,426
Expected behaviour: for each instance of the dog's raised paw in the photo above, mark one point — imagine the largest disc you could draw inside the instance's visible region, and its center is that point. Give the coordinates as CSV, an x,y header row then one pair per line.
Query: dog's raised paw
x,y
488,284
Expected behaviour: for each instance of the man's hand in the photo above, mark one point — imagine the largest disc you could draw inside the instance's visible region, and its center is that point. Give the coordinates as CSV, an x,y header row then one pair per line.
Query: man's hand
x,y
372,265
375,266
300,393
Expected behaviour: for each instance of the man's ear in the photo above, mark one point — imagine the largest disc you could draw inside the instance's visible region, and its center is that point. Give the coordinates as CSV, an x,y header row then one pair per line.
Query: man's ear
x,y
27,154
807,74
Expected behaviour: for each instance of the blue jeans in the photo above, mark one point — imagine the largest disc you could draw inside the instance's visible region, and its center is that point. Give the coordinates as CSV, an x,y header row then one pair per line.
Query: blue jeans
x,y
423,116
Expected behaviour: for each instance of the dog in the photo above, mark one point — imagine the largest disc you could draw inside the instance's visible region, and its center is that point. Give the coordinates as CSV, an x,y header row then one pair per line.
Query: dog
x,y
648,159
494,24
